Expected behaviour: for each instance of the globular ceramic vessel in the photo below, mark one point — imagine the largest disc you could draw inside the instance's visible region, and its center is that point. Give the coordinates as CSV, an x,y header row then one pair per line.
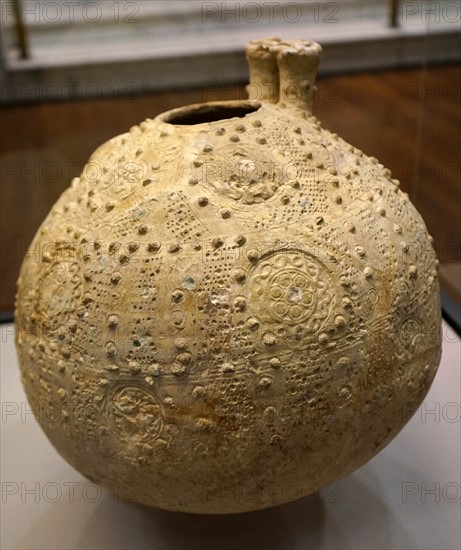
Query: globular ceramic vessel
x,y
231,307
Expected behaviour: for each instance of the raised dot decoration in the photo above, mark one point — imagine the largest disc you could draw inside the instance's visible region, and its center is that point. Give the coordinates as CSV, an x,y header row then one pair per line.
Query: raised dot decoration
x,y
236,297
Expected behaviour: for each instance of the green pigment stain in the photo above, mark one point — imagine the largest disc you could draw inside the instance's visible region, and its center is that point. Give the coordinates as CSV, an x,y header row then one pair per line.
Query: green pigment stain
x,y
188,283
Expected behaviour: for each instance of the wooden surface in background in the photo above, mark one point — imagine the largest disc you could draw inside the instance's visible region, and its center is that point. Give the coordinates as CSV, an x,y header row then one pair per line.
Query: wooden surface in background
x,y
409,119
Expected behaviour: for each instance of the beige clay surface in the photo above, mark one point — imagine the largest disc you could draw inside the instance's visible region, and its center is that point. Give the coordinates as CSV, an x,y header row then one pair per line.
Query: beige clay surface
x,y
228,302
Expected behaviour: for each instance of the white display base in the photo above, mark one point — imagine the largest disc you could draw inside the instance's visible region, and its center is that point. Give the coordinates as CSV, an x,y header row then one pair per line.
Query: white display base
x,y
407,497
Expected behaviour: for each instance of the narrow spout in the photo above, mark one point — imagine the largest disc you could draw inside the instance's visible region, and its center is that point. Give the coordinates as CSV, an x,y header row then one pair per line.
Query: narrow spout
x,y
283,71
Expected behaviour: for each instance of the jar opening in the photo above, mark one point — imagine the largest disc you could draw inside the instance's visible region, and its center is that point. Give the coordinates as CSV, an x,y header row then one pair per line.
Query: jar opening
x,y
209,113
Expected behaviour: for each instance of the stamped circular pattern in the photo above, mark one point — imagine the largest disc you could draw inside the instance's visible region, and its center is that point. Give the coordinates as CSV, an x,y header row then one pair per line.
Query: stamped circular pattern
x,y
136,411
59,288
293,287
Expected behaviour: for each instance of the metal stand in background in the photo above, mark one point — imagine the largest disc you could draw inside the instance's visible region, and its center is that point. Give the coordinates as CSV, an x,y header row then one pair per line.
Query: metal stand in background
x,y
394,21
21,30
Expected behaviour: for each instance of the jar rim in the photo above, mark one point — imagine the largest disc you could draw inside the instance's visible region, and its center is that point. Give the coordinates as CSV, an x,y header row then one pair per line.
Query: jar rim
x,y
213,111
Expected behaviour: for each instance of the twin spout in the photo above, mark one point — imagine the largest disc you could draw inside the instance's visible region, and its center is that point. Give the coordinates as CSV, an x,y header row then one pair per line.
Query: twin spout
x,y
283,71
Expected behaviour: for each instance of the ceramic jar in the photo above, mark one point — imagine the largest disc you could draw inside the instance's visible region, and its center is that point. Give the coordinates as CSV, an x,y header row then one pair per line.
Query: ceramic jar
x,y
231,307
